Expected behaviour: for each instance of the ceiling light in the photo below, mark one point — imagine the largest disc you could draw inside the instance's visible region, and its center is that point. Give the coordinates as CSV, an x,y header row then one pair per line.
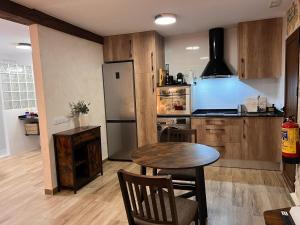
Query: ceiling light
x,y
192,48
275,3
165,19
25,46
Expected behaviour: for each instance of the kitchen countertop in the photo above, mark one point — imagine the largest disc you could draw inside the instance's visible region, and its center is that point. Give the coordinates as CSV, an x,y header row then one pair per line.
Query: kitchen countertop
x,y
278,114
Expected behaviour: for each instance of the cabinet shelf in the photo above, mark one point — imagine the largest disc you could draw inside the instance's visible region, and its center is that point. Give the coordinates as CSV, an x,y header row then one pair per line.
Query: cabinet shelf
x,y
80,162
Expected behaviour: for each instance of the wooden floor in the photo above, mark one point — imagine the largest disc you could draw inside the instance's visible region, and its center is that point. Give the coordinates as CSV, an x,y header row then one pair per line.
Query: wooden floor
x,y
235,196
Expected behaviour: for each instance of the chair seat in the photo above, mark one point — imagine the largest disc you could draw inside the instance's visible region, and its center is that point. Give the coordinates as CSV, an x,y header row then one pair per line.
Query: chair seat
x,y
186,210
182,174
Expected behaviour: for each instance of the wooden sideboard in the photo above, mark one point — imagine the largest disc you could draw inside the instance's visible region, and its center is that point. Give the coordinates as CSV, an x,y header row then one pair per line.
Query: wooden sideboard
x,y
78,156
274,217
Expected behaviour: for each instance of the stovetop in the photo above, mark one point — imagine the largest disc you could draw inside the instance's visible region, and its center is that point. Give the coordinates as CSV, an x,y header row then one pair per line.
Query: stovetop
x,y
215,112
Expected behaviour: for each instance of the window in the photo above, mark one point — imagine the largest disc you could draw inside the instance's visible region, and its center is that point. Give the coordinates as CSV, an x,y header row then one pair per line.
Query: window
x,y
17,84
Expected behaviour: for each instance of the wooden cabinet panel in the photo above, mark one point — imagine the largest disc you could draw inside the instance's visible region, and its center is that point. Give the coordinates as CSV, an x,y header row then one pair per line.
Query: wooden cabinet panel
x,y
118,48
145,108
144,52
95,158
260,49
262,139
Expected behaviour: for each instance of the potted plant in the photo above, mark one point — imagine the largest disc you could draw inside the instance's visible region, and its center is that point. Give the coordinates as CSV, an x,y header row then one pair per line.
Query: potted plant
x,y
79,112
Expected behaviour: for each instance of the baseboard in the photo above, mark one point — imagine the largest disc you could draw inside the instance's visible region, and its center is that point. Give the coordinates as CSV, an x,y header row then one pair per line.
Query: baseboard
x,y
295,199
247,164
51,191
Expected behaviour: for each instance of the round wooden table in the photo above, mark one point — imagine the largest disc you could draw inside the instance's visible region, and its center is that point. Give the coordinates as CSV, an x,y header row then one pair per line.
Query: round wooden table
x,y
179,155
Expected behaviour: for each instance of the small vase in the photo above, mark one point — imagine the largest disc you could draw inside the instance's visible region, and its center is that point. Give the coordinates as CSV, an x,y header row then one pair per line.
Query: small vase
x,y
76,121
83,120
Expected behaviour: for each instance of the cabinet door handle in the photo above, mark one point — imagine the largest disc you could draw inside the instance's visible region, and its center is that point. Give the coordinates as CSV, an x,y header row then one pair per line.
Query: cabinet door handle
x,y
244,123
130,48
243,67
152,66
152,83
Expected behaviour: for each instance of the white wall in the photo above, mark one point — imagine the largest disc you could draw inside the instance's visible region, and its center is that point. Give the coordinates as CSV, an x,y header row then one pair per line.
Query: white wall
x,y
16,141
67,69
223,92
11,127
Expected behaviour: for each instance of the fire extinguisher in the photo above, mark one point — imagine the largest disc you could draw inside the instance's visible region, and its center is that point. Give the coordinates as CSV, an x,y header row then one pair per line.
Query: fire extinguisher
x,y
290,142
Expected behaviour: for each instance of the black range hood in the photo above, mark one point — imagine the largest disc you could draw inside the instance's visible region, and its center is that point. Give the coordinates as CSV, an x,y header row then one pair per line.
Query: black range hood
x,y
216,67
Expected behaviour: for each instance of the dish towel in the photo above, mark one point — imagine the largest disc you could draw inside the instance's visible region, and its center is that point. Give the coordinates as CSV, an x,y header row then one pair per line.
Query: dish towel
x,y
295,213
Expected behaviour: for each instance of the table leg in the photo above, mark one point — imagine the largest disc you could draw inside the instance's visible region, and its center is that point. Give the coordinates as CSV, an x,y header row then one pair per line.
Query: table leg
x,y
143,170
201,195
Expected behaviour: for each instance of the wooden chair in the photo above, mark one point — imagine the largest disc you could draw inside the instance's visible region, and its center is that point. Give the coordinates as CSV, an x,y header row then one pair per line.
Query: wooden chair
x,y
178,135
182,135
151,200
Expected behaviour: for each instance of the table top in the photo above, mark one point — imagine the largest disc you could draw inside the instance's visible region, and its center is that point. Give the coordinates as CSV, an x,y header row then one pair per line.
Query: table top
x,y
175,155
76,130
273,217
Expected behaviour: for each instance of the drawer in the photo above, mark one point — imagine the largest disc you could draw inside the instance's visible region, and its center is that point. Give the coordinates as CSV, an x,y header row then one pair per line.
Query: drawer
x,y
86,136
220,122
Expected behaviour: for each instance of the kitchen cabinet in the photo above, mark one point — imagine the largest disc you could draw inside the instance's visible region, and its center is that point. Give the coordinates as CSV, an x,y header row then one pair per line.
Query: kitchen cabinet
x,y
222,133
260,49
145,108
118,48
242,139
146,49
262,139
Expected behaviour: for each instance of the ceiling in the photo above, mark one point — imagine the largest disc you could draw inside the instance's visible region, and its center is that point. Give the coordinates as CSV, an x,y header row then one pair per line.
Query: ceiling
x,y
11,34
108,17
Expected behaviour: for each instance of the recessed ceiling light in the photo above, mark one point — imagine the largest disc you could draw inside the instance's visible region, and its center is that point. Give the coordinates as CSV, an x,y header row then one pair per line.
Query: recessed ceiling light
x,y
165,19
192,48
25,46
275,3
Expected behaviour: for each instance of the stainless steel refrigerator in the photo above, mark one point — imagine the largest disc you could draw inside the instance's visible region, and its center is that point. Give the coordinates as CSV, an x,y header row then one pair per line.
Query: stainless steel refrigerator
x,y
119,96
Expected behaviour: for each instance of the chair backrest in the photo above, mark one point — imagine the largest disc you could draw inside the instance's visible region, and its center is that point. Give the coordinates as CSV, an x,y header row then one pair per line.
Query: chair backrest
x,y
182,135
158,208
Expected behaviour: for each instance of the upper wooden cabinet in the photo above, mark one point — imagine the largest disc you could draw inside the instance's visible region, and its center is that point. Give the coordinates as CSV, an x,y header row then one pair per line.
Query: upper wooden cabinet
x,y
148,52
118,48
260,49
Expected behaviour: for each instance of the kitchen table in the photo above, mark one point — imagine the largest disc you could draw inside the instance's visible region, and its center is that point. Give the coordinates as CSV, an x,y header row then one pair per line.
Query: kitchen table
x,y
171,155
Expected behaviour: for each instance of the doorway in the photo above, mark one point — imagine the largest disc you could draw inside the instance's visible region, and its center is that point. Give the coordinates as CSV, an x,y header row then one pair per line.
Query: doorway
x,y
18,108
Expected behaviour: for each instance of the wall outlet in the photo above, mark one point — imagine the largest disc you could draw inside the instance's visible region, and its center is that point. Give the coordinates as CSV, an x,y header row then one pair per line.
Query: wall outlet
x,y
60,120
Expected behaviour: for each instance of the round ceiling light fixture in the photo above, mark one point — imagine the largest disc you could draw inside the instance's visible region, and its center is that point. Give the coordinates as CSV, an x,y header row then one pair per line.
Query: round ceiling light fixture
x,y
25,46
165,19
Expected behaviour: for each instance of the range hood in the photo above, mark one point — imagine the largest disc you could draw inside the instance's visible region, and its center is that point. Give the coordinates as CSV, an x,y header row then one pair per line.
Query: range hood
x,y
216,67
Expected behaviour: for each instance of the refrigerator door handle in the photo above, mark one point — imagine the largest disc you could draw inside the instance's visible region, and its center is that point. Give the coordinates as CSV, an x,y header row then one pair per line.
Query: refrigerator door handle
x,y
120,121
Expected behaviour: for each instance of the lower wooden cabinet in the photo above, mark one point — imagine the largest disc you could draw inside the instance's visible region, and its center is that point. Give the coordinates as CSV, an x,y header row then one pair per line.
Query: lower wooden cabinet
x,y
78,156
222,133
244,138
262,138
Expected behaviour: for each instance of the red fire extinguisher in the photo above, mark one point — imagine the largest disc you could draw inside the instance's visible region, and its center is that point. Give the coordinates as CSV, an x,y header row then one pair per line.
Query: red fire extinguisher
x,y
290,142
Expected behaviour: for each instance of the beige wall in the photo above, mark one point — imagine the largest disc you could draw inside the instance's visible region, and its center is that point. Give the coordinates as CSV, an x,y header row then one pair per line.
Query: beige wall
x,y
66,69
